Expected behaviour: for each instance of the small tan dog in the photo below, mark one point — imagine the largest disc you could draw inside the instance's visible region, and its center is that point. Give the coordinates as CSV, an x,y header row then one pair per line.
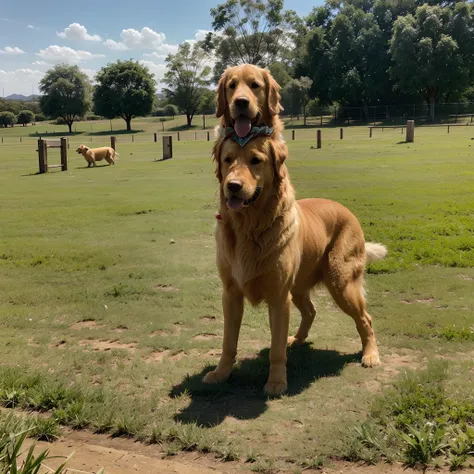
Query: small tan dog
x,y
91,155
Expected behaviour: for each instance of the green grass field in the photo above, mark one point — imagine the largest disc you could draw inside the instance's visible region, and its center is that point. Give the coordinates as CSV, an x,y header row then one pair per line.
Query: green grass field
x,y
110,306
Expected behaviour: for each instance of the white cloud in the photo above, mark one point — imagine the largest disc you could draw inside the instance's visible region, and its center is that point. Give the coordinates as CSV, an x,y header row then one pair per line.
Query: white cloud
x,y
11,51
166,49
90,72
158,70
33,27
155,55
20,81
134,39
63,54
77,32
201,35
111,44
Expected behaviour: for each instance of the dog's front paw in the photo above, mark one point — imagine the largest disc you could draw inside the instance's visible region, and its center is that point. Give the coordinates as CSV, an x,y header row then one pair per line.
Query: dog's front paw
x,y
275,387
216,376
295,341
371,360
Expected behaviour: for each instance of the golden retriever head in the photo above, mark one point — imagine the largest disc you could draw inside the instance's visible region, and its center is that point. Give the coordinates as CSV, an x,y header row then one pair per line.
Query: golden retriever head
x,y
247,95
82,149
249,174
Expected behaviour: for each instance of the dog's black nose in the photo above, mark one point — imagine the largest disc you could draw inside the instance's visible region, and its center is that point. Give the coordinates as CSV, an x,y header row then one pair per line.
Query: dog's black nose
x,y
234,186
242,102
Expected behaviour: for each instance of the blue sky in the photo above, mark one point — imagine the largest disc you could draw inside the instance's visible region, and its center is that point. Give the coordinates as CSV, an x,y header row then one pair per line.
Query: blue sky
x,y
36,35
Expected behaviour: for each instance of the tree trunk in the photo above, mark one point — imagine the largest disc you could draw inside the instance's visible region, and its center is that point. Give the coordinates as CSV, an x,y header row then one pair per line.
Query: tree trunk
x,y
189,118
432,106
128,120
69,124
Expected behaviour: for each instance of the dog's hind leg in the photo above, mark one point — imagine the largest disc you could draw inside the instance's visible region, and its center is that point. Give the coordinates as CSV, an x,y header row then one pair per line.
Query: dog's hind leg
x,y
344,278
308,312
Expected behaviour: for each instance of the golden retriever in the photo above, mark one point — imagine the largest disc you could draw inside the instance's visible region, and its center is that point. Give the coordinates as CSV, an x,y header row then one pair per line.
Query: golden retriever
x,y
273,248
248,96
91,155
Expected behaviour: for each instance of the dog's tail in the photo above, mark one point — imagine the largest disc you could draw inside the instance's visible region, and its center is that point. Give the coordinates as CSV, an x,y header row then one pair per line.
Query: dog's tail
x,y
375,251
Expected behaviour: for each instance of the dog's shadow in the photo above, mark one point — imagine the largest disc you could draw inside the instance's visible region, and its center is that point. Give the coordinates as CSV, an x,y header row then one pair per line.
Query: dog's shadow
x,y
242,397
91,167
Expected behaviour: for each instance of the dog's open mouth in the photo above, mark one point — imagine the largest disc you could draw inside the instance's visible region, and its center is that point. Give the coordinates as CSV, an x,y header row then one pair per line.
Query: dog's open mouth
x,y
235,203
243,125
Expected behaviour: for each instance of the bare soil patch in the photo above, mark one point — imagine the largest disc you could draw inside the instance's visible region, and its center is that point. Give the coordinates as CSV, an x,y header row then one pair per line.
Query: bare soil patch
x,y
103,346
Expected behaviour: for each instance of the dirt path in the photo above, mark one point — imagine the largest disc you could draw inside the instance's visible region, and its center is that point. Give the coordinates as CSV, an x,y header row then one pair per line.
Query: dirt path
x,y
123,456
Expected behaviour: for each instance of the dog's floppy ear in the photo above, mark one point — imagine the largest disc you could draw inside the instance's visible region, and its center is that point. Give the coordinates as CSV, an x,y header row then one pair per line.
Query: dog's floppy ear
x,y
273,90
221,98
216,156
279,153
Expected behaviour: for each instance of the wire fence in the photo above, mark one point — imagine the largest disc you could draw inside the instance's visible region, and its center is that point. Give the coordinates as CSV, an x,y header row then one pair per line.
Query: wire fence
x,y
461,113
388,114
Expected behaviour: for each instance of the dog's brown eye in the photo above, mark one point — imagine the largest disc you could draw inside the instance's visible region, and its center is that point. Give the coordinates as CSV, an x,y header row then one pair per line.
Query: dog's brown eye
x,y
232,85
255,161
255,85
227,159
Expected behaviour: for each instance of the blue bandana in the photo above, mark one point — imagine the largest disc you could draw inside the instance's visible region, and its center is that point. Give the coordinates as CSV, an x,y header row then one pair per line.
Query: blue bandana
x,y
254,132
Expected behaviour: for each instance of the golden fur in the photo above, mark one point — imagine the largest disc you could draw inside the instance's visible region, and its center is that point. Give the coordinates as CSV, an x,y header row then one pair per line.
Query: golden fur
x,y
91,155
276,249
264,100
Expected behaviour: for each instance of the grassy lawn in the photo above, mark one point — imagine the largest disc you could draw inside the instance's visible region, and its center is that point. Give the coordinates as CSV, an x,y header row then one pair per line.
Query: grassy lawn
x,y
110,306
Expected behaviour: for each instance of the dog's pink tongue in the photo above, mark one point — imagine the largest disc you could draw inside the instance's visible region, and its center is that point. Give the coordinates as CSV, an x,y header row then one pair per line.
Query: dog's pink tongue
x,y
235,203
242,126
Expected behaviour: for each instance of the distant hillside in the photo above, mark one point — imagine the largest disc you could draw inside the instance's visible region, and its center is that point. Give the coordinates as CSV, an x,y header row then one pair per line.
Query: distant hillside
x,y
23,98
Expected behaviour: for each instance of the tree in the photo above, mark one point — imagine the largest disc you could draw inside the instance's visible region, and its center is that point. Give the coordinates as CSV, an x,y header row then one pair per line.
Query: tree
x,y
426,57
186,76
66,93
305,86
12,106
7,119
25,117
295,96
249,31
280,73
313,107
124,89
208,102
171,110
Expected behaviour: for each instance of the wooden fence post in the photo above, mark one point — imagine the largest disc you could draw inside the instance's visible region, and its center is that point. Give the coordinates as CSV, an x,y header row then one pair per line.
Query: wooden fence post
x,y
42,156
208,136
112,142
178,137
410,137
154,137
341,133
370,132
167,147
292,134
318,139
63,154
